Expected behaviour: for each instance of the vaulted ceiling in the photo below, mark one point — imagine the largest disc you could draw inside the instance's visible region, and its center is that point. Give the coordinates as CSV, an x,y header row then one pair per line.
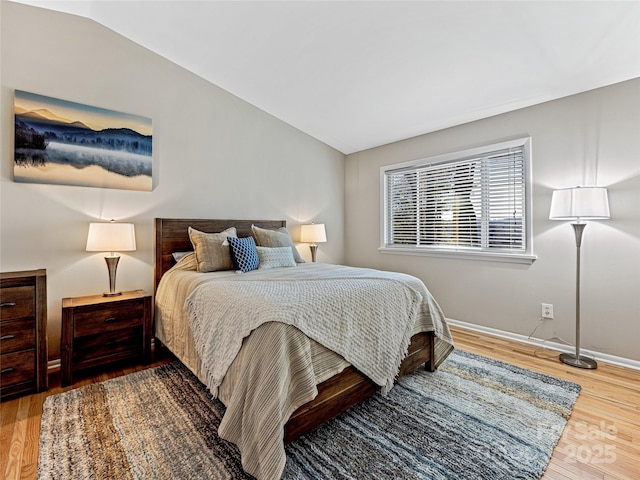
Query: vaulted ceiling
x,y
359,74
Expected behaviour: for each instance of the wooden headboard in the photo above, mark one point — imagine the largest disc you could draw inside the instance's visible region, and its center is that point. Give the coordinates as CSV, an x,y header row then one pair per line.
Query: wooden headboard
x,y
172,235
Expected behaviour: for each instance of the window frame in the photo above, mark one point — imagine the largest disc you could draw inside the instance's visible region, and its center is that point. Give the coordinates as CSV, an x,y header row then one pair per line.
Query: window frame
x,y
526,257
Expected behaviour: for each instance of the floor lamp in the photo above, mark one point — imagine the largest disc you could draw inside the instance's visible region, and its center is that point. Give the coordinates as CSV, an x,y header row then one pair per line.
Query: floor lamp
x,y
578,204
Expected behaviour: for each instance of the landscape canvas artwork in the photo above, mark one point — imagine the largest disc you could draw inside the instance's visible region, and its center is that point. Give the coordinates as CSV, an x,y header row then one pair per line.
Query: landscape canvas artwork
x,y
67,143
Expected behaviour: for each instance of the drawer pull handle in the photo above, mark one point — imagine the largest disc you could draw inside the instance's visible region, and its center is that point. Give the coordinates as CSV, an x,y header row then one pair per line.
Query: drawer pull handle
x,y
7,337
110,343
8,304
7,370
110,320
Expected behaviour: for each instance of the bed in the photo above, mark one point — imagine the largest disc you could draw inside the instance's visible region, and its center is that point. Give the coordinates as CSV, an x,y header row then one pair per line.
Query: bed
x,y
313,395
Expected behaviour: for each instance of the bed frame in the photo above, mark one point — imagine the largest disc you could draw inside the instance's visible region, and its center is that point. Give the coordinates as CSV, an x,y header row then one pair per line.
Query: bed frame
x,y
336,394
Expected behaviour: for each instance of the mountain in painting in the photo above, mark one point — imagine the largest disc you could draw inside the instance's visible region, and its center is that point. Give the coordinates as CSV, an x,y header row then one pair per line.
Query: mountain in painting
x,y
44,116
61,130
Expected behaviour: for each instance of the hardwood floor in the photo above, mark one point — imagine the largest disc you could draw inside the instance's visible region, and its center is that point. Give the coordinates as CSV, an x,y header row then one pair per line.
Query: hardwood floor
x,y
600,441
602,438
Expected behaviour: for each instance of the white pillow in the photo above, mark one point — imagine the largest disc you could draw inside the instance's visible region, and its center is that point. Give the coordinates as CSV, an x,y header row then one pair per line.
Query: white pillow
x,y
188,262
178,255
275,257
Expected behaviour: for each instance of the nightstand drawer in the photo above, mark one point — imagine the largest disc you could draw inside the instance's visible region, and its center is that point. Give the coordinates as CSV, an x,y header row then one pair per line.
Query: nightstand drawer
x,y
94,320
117,343
16,335
17,367
17,302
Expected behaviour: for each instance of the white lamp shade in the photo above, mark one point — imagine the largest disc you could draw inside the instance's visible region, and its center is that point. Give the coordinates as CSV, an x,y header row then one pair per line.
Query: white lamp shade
x,y
111,237
580,203
314,233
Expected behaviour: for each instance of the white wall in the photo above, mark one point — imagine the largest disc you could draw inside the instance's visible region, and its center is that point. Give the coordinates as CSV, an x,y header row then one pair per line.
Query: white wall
x,y
215,156
591,138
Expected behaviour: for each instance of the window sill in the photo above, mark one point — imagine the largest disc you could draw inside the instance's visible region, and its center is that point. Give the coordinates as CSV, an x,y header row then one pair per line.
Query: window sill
x,y
525,259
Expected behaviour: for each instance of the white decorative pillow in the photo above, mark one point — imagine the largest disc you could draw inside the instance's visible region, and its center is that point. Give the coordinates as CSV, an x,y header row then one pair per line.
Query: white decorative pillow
x,y
212,249
275,238
275,257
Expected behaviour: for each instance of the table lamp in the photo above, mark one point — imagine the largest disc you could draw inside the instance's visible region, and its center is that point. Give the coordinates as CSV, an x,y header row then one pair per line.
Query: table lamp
x,y
111,237
313,234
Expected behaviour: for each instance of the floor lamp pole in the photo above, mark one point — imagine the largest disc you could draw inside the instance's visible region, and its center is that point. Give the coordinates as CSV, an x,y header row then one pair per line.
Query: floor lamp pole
x,y
569,358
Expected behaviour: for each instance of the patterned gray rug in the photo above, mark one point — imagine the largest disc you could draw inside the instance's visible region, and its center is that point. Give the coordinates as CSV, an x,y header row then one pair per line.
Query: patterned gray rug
x,y
475,418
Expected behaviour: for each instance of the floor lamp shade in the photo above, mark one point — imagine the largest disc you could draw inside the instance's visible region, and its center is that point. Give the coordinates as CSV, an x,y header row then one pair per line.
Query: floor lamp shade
x,y
111,237
578,204
313,233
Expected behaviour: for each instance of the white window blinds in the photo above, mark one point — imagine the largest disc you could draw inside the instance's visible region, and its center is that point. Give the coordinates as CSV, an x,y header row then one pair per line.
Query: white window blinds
x,y
467,203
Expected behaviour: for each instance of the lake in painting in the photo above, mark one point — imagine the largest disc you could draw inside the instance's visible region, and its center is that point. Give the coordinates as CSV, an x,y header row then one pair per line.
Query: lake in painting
x,y
67,143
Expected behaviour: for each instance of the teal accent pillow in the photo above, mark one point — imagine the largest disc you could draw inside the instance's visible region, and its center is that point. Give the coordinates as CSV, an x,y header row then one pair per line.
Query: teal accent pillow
x,y
244,254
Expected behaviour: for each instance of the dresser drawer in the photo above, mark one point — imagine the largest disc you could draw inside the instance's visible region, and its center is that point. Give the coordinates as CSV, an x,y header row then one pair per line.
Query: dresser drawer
x,y
17,302
17,335
17,367
94,320
123,343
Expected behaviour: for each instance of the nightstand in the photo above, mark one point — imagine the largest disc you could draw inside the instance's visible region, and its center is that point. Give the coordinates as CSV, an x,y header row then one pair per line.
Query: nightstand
x,y
99,330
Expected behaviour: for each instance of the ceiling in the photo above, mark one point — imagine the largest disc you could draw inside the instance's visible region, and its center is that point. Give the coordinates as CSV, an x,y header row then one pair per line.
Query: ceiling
x,y
359,74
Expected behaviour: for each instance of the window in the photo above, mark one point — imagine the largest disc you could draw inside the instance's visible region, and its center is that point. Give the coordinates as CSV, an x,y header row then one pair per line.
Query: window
x,y
474,203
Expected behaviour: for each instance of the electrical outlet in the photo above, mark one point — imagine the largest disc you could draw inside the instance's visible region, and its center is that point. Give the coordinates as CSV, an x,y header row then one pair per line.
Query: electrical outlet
x,y
547,311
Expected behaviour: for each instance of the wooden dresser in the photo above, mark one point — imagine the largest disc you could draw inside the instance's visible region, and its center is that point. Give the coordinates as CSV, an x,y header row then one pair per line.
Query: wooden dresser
x,y
99,330
23,332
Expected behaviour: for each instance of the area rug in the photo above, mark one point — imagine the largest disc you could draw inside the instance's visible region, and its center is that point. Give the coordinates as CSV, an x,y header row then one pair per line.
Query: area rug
x,y
474,418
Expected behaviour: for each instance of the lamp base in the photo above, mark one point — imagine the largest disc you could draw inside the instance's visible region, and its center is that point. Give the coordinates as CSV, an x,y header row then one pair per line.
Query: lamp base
x,y
111,294
580,362
112,264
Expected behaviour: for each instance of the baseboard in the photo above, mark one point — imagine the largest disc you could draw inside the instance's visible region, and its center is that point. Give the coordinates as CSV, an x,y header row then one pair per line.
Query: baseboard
x,y
604,357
